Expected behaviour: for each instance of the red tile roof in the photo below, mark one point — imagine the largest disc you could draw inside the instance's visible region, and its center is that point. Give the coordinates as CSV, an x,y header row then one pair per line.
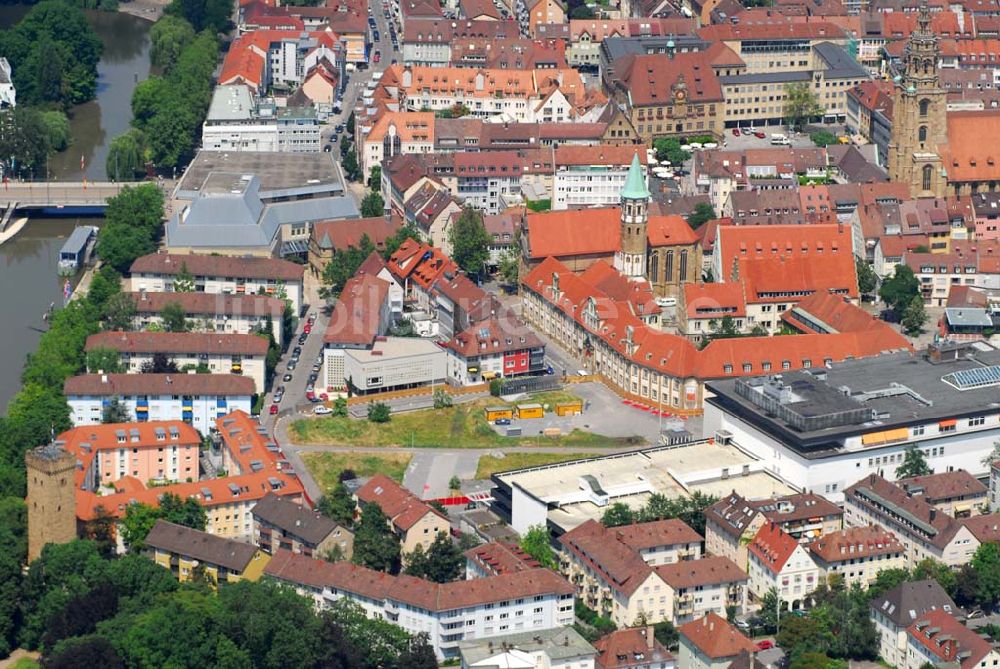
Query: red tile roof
x,y
501,557
708,570
738,242
856,542
346,233
942,636
346,577
493,337
966,157
128,385
715,637
356,316
210,304
670,230
631,648
650,78
777,29
225,266
714,300
191,343
598,154
637,294
574,232
399,505
784,279
824,312
772,546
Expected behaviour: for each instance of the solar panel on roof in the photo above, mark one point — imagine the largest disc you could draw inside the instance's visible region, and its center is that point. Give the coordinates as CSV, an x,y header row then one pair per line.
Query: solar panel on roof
x,y
970,379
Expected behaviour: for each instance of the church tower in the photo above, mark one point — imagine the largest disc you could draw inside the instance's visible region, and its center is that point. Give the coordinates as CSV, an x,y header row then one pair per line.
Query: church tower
x,y
51,497
919,123
630,259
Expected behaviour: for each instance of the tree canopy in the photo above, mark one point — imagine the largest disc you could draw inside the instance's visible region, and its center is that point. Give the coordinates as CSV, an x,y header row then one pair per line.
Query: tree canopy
x,y
470,243
899,290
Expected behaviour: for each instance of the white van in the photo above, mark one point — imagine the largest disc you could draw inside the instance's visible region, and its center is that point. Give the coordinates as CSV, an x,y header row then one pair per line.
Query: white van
x,y
778,139
664,302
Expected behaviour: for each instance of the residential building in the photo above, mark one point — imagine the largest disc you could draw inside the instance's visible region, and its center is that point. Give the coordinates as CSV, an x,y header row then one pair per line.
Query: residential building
x,y
222,313
733,521
494,348
252,461
191,554
857,554
238,121
217,353
633,648
416,523
957,493
430,41
829,445
591,176
546,649
510,53
543,12
777,561
924,531
528,601
938,637
395,133
282,524
156,273
196,399
433,210
586,35
157,452
328,237
711,643
363,312
896,609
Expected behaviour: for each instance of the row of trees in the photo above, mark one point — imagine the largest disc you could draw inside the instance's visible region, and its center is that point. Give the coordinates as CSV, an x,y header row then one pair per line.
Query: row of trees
x,y
660,507
81,609
167,110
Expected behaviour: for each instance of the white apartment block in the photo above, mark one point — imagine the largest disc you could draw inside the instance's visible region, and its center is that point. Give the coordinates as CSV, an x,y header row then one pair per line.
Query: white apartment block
x,y
584,177
537,599
778,561
857,554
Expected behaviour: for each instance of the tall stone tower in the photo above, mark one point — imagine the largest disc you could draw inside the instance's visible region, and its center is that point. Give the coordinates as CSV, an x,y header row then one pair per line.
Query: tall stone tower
x,y
630,259
51,497
919,122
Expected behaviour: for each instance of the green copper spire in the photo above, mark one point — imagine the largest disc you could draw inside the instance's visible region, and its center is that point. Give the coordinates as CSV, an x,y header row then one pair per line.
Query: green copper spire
x,y
635,183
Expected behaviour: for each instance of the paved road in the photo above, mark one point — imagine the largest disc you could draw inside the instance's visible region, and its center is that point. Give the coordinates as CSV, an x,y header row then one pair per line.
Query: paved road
x,y
295,390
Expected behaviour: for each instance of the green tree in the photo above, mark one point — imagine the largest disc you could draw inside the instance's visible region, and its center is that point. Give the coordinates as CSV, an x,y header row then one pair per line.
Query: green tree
x,y
581,12
915,316
801,104
338,505
666,634
442,399
946,577
126,156
536,543
24,142
168,38
867,279
392,244
375,545
691,509
470,243
702,213
815,660
418,654
174,317
372,205
986,562
899,290
381,642
184,281
140,518
340,407
115,411
343,265
823,138
802,634
992,456
887,579
57,126
159,364
496,387
81,652
669,149
350,164
443,562
375,178
914,464
618,514
119,313
454,483
104,360
510,266
379,412
769,607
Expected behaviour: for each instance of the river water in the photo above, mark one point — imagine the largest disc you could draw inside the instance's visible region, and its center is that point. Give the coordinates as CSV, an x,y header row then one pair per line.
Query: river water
x,y
28,262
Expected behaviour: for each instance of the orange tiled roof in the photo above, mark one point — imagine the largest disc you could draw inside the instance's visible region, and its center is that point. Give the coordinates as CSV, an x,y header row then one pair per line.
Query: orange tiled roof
x,y
773,547
966,156
714,300
574,232
715,637
944,637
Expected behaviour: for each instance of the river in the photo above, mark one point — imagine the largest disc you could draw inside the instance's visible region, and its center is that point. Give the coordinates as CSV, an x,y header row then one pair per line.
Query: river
x,y
28,261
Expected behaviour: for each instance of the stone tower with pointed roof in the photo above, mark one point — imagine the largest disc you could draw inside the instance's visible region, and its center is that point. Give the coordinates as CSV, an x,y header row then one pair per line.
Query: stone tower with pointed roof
x,y
919,124
630,259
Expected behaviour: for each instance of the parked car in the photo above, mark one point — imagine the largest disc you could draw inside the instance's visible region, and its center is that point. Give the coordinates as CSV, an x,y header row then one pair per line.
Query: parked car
x,y
274,409
736,132
291,364
302,338
322,410
339,129
759,135
297,351
766,644
311,396
313,377
328,148
378,56
307,328
286,378
502,421
743,625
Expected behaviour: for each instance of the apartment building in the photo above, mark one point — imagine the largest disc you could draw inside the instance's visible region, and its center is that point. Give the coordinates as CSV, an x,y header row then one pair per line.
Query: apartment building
x,y
733,521
591,176
857,554
633,648
777,561
497,558
238,121
896,609
711,643
394,133
938,637
216,353
282,524
448,613
551,649
191,554
956,493
495,348
223,313
648,570
156,273
252,461
415,522
924,531
195,399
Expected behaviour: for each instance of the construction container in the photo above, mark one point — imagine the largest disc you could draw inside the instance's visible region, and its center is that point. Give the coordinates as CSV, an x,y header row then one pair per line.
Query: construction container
x,y
494,413
530,411
569,408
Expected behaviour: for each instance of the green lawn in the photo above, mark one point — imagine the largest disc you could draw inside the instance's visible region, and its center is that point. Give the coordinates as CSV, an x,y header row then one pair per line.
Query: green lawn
x,y
461,426
489,464
326,467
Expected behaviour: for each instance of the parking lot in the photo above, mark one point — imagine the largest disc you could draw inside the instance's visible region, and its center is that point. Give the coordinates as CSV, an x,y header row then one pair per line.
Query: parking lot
x,y
604,414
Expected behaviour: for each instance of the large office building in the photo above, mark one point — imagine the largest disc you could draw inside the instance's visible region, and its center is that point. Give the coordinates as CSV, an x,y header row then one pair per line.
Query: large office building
x,y
238,121
824,428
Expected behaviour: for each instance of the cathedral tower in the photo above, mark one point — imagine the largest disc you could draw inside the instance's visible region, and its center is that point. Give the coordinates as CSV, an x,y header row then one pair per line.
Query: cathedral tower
x,y
630,259
919,123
